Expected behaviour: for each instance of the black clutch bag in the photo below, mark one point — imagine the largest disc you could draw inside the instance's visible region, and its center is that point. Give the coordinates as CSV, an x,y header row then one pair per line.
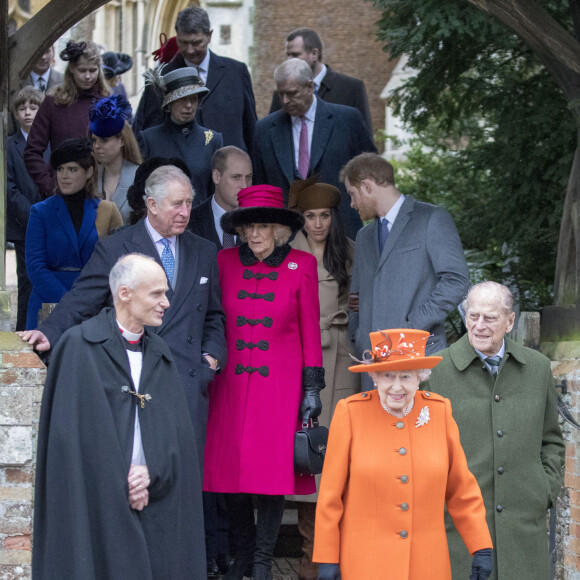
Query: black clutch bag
x,y
310,448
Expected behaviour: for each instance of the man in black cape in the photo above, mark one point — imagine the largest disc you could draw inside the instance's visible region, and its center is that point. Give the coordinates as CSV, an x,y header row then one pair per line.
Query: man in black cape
x,y
118,489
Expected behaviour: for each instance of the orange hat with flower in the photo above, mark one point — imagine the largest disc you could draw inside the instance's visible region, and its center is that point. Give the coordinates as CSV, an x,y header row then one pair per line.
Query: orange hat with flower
x,y
398,349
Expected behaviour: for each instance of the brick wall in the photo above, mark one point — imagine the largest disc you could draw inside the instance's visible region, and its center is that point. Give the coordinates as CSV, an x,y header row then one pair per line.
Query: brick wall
x,y
568,540
22,376
348,30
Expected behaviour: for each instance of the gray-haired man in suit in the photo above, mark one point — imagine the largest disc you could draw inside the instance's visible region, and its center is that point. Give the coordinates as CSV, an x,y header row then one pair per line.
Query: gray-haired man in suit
x,y
409,269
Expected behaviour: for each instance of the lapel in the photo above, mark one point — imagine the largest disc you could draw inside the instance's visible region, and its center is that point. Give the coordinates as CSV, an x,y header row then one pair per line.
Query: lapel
x,y
20,143
281,136
151,356
327,82
216,71
67,225
119,197
210,222
400,224
323,125
89,217
186,276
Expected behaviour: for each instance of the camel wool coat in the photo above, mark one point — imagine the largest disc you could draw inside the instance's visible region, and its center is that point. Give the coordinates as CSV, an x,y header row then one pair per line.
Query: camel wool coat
x,y
385,483
511,437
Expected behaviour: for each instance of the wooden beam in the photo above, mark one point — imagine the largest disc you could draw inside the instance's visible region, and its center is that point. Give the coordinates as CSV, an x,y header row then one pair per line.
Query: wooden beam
x,y
47,26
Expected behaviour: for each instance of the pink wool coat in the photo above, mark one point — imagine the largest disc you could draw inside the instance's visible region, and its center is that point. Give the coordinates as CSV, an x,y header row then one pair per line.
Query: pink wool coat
x,y
272,333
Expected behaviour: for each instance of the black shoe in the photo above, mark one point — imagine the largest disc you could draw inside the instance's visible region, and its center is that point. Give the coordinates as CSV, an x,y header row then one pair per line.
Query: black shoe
x,y
239,570
213,571
224,562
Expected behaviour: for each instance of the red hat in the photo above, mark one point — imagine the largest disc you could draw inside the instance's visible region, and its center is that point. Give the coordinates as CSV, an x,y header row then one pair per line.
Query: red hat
x,y
399,349
261,204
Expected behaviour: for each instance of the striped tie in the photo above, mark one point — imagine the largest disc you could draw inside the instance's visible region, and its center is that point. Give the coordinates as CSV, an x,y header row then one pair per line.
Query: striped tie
x,y
493,362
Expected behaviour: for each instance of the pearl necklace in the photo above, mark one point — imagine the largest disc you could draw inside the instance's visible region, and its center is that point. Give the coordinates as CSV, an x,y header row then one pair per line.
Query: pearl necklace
x,y
405,412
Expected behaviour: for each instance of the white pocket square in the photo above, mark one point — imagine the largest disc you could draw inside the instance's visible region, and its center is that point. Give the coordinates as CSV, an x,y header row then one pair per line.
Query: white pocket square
x,y
203,280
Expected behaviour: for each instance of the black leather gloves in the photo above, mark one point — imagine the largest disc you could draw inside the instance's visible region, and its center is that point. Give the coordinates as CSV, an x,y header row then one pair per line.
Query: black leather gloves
x,y
329,572
312,383
481,565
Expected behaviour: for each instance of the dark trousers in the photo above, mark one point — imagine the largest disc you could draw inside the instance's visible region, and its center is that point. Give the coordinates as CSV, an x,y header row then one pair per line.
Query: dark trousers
x,y
254,543
216,525
24,286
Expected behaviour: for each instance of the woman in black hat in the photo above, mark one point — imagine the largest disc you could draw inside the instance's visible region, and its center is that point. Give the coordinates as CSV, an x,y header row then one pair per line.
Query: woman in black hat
x,y
272,379
180,135
63,229
65,114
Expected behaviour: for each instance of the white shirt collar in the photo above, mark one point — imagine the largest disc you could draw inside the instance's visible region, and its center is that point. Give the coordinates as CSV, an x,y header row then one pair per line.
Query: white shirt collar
x,y
394,211
24,134
203,66
500,352
157,237
309,115
320,77
34,76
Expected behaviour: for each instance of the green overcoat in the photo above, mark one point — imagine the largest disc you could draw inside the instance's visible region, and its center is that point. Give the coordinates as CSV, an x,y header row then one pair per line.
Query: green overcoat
x,y
513,444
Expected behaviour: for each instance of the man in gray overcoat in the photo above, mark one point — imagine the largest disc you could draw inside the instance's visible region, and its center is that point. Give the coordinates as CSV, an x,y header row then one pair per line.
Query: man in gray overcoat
x,y
409,268
504,403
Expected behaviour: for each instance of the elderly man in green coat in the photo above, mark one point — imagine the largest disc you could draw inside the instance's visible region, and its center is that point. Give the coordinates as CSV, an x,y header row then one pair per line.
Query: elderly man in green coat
x,y
505,406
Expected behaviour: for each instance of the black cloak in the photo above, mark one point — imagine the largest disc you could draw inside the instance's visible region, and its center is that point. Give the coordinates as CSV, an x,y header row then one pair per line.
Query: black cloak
x,y
83,525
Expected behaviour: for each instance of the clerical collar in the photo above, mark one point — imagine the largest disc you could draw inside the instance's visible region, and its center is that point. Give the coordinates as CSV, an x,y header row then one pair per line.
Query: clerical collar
x,y
129,336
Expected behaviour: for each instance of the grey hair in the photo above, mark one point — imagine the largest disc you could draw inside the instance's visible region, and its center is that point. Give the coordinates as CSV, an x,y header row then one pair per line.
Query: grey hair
x,y
282,233
423,374
156,184
193,20
126,272
492,290
293,69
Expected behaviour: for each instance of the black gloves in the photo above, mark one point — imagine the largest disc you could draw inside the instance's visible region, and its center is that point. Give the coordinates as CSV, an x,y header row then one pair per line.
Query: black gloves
x,y
329,572
313,383
481,565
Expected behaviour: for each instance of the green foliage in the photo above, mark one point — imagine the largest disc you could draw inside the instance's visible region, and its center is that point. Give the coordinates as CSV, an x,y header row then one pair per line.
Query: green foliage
x,y
495,137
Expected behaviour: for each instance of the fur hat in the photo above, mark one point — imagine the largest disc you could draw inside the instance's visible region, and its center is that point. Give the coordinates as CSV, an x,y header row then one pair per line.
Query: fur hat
x,y
108,115
261,204
306,194
399,349
71,151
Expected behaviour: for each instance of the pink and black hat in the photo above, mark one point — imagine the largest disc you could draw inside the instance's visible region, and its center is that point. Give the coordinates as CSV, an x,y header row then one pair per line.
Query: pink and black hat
x,y
261,204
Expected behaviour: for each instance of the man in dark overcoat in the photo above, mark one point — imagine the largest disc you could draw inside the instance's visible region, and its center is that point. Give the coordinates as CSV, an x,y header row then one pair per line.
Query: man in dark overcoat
x,y
118,486
193,326
504,403
229,108
308,136
329,85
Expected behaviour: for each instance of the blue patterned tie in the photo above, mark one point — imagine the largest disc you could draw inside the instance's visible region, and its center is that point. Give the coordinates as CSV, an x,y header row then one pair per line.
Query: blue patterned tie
x,y
493,362
168,260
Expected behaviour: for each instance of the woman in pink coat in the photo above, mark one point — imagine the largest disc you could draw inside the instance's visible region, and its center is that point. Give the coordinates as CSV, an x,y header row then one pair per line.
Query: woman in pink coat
x,y
273,376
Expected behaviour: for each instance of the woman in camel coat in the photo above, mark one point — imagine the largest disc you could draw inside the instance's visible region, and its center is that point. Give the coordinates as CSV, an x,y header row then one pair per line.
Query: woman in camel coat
x,y
323,237
394,461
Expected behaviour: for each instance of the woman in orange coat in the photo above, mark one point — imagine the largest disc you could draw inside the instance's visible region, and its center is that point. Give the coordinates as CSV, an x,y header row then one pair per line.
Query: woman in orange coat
x,y
394,460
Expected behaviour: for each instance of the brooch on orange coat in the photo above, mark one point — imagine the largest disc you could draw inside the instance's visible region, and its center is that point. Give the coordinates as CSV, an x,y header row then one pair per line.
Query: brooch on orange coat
x,y
423,417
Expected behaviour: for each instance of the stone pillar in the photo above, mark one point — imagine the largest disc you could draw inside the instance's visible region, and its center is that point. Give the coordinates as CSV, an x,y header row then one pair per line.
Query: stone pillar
x,y
565,356
22,376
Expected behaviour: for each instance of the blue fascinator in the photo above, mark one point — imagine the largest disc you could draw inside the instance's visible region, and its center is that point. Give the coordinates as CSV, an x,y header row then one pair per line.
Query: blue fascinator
x,y
107,116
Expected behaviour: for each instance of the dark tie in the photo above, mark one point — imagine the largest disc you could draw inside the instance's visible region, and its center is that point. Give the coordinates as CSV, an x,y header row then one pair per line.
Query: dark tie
x,y
303,154
168,260
229,241
198,69
41,84
383,234
493,362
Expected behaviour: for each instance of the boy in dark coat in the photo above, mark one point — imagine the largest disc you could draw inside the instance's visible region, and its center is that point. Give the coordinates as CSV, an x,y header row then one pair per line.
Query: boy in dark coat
x,y
118,489
21,191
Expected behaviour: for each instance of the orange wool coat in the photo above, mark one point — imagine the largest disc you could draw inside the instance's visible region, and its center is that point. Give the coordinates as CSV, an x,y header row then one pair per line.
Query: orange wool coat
x,y
384,487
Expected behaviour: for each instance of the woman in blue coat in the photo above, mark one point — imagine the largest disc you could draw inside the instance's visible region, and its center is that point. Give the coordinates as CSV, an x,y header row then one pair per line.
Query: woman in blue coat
x,y
63,230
